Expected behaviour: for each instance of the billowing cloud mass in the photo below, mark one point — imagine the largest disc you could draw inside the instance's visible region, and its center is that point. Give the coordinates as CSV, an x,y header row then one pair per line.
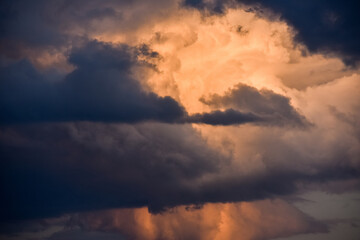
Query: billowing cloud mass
x,y
175,119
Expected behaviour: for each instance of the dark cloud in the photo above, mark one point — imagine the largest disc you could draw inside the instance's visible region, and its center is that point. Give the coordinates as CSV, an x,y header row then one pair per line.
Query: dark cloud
x,y
52,169
332,28
101,88
263,106
227,117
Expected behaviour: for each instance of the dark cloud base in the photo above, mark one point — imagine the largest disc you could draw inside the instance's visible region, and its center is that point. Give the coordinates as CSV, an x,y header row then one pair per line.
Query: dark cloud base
x,y
51,169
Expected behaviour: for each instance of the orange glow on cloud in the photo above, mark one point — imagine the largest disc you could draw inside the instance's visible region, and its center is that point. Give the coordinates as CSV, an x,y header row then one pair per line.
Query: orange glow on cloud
x,y
205,55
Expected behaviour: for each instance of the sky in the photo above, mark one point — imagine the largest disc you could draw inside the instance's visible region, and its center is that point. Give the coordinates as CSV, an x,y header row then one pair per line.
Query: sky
x,y
179,120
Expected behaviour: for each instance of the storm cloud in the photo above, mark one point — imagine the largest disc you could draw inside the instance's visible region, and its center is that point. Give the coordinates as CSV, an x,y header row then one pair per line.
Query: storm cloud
x,y
66,168
51,169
